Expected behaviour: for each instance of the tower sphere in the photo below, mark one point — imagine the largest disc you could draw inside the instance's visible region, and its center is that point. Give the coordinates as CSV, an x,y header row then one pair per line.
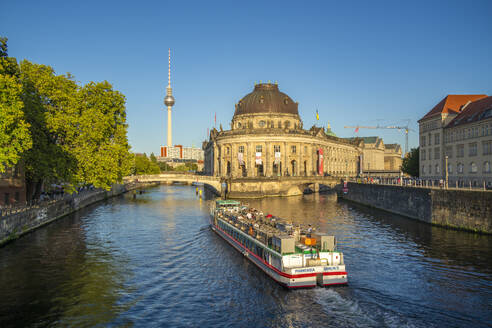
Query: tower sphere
x,y
169,100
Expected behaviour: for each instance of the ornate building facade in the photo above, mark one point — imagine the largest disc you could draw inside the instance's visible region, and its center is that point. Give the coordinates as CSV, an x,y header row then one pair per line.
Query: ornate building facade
x,y
267,139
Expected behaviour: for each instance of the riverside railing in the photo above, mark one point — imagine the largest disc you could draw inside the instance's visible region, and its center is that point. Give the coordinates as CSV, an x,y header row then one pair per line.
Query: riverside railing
x,y
6,210
421,183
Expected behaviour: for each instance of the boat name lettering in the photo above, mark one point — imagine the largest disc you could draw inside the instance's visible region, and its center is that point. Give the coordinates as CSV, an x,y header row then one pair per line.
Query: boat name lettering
x,y
305,270
331,268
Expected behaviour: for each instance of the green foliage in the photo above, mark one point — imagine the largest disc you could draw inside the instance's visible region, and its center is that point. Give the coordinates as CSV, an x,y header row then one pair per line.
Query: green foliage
x,y
48,107
98,139
165,167
14,130
153,158
410,163
8,65
145,166
187,167
79,133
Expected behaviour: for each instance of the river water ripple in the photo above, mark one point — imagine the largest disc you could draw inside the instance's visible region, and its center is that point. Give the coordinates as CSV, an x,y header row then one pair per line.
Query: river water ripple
x,y
154,262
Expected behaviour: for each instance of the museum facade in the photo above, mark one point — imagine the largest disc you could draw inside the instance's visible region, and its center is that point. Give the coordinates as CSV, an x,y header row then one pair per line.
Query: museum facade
x,y
267,139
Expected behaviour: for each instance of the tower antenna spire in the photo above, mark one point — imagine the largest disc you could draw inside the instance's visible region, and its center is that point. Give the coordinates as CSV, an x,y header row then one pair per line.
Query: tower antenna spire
x,y
169,71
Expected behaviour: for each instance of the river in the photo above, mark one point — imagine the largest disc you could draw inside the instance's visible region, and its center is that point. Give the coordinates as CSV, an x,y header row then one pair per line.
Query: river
x,y
154,262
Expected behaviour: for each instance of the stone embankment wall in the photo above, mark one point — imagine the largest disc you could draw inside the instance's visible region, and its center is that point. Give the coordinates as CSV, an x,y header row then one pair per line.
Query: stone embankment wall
x,y
17,224
463,209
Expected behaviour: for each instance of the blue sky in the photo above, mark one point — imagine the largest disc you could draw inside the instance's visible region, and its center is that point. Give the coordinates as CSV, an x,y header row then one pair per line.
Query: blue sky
x,y
367,63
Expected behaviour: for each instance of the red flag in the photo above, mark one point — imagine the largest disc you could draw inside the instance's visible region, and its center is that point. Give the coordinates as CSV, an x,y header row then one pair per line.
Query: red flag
x,y
215,119
356,129
208,133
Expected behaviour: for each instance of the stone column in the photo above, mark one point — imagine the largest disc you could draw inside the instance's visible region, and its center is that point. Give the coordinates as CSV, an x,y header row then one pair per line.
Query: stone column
x,y
215,161
285,165
250,160
300,163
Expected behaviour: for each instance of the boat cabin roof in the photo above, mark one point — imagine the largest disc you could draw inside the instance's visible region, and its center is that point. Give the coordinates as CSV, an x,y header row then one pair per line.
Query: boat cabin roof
x,y
228,202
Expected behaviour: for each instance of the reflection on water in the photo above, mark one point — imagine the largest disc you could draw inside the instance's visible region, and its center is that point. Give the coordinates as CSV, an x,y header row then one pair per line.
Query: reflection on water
x,y
153,261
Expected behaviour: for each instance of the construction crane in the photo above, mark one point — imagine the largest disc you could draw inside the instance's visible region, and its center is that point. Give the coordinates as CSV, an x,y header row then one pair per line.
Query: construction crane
x,y
404,128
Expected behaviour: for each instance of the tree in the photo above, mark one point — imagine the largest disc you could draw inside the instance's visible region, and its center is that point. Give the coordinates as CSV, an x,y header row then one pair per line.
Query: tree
x,y
15,138
49,109
153,159
79,133
98,141
165,167
145,166
410,163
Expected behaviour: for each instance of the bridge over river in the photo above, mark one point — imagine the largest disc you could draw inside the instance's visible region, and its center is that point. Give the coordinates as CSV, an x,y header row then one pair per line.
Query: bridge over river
x,y
247,187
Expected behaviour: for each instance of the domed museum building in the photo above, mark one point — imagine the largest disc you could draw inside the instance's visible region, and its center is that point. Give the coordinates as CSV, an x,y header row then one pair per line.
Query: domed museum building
x,y
267,139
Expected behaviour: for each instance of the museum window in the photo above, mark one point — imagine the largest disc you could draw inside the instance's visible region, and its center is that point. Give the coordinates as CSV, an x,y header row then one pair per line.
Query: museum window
x,y
276,148
486,167
460,167
450,168
262,124
436,139
238,125
473,167
227,150
293,149
241,149
487,147
423,154
423,169
258,148
472,149
438,170
287,124
449,151
460,150
423,141
430,169
437,153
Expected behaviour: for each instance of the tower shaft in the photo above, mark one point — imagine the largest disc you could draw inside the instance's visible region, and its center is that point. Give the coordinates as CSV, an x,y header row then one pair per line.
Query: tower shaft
x,y
169,128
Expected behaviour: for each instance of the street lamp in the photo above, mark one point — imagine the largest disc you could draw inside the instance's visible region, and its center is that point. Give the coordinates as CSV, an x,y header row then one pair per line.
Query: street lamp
x,y
446,158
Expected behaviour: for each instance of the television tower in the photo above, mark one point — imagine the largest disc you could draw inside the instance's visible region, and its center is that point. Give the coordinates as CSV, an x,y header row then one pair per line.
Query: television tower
x,y
169,102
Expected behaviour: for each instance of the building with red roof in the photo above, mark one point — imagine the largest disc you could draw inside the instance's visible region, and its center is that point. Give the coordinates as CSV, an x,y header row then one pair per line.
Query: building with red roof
x,y
456,141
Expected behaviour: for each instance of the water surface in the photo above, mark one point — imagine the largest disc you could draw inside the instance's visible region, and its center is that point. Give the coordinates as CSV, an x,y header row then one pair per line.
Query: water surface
x,y
154,262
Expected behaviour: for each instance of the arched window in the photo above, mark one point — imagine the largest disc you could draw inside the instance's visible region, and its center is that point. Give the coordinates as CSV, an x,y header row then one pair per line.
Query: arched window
x,y
486,167
437,169
460,167
473,167
450,168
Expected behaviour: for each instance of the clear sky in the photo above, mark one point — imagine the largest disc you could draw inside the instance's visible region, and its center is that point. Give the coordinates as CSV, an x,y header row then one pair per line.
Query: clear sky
x,y
367,63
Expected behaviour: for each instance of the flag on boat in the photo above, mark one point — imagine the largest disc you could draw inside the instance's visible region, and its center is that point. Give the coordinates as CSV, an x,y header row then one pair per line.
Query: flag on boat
x,y
317,115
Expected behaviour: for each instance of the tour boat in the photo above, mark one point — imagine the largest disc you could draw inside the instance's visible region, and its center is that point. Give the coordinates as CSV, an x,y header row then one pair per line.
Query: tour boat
x,y
291,255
